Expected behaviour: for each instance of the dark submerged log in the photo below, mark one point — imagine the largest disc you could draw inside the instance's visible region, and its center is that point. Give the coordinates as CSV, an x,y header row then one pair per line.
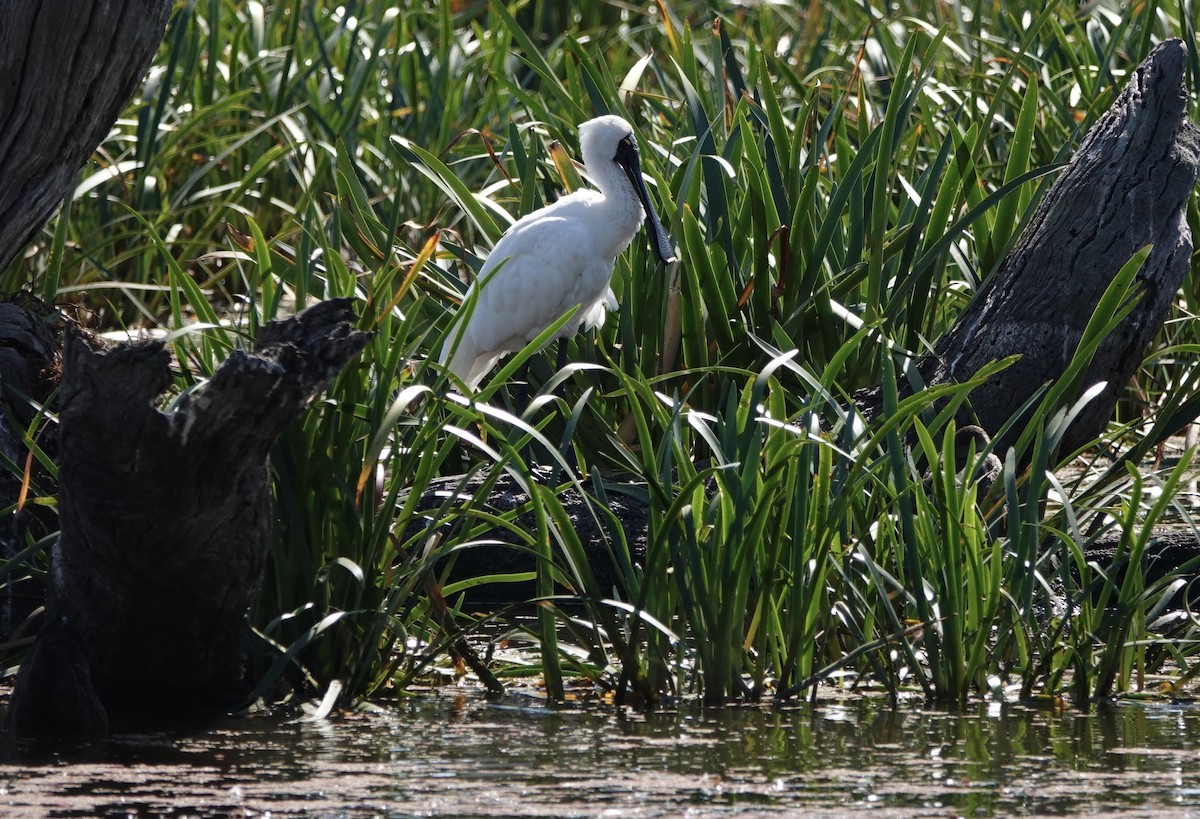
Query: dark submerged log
x,y
66,69
1127,186
503,554
165,516
1168,549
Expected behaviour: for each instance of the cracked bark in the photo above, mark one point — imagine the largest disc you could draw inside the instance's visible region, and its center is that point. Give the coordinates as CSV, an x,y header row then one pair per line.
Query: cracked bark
x,y
1127,186
66,70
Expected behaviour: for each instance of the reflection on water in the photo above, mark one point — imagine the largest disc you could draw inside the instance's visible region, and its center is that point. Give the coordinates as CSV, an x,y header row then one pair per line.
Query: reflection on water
x,y
452,755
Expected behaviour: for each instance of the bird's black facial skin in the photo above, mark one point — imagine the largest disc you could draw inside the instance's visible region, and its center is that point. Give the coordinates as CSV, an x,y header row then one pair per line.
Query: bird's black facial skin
x,y
627,157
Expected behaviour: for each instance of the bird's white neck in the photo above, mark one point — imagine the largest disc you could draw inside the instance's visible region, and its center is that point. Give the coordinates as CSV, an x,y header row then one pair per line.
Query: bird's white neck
x,y
623,209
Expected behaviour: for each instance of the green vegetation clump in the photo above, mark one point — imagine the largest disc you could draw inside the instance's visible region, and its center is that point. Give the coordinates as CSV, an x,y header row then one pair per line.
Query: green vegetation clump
x,y
839,179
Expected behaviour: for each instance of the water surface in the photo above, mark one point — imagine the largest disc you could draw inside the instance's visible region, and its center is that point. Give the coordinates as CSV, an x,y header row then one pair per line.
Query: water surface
x,y
456,755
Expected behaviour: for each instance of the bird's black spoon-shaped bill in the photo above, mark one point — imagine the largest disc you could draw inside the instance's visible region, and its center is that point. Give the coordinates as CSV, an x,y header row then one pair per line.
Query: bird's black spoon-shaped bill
x,y
627,158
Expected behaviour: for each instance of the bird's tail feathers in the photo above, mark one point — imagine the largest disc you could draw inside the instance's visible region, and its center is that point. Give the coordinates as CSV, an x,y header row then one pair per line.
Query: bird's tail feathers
x,y
465,360
472,371
593,317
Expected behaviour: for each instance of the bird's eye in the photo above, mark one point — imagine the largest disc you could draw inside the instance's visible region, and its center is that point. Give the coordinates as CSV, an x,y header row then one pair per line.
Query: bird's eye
x,y
628,141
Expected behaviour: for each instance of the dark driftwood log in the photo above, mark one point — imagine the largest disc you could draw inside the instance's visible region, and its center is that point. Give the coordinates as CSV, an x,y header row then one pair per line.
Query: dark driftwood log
x,y
503,553
1127,186
66,69
165,515
1168,549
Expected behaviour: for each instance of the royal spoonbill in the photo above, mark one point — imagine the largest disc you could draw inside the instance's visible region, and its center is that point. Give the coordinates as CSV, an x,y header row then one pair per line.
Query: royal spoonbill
x,y
558,257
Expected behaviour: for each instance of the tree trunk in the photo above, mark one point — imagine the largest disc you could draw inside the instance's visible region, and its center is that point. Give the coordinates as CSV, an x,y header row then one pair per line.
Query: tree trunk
x,y
66,69
166,515
1127,186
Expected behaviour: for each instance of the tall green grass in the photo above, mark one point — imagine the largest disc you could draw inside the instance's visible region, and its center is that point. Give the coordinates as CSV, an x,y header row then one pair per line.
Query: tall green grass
x,y
838,178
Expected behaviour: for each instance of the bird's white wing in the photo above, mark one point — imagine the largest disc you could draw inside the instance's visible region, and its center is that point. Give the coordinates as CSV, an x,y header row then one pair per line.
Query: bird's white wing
x,y
545,264
542,268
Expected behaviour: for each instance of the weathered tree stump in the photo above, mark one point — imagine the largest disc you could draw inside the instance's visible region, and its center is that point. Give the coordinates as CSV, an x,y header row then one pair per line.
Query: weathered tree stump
x,y
166,514
67,69
1127,186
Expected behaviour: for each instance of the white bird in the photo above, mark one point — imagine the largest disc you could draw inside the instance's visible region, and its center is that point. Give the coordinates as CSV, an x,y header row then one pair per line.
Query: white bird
x,y
558,257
